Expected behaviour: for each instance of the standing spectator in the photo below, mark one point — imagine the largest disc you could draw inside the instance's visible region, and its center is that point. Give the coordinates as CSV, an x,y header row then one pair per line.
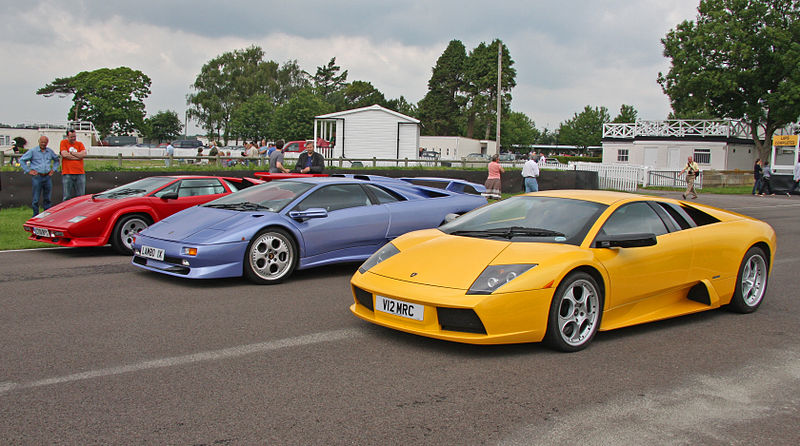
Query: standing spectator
x,y
691,169
40,165
757,172
199,160
73,176
310,161
795,178
276,159
254,153
493,181
169,152
530,170
213,151
15,153
542,159
263,151
766,180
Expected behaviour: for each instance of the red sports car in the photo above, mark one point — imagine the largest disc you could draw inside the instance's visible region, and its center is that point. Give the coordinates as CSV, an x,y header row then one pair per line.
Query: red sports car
x,y
117,215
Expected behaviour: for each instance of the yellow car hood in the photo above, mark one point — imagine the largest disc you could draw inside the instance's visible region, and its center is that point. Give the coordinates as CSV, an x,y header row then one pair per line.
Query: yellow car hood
x,y
431,257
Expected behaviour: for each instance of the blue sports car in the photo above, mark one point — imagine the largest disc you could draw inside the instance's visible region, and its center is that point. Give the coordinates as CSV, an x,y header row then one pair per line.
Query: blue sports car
x,y
265,232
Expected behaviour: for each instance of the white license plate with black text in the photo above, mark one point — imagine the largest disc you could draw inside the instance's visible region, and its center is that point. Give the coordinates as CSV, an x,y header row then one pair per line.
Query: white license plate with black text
x,y
400,308
41,232
152,253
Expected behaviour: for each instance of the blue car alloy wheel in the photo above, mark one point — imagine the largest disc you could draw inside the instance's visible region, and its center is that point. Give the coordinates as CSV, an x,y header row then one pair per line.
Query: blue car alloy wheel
x,y
270,257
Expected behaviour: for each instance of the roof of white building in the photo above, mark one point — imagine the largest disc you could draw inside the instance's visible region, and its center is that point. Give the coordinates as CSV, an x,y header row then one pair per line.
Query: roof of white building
x,y
375,107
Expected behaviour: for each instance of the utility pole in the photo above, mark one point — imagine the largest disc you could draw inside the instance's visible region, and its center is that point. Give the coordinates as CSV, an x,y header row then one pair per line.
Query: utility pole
x,y
499,77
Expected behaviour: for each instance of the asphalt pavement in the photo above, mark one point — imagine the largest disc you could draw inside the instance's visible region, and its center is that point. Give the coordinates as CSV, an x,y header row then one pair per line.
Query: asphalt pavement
x,y
96,351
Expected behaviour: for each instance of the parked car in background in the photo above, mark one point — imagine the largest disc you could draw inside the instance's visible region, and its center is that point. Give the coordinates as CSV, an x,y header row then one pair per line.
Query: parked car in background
x,y
508,156
300,145
477,157
187,143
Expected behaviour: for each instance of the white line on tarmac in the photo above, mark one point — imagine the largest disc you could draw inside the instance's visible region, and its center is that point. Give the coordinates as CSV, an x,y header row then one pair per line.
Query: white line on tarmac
x,y
36,249
214,355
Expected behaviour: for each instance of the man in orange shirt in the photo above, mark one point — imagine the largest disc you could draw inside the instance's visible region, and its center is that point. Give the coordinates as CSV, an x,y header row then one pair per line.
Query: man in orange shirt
x,y
73,177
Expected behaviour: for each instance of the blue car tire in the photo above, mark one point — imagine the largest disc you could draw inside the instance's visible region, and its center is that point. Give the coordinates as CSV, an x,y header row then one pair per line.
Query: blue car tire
x,y
270,257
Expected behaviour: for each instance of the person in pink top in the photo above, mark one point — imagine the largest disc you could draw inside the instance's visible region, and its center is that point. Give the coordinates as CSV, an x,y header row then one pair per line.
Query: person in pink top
x,y
493,184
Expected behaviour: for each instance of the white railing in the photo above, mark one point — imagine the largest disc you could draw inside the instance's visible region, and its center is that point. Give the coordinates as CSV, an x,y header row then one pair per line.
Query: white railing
x,y
614,176
677,128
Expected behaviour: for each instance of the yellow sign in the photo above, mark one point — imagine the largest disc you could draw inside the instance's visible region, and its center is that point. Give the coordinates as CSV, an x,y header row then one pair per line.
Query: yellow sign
x,y
784,140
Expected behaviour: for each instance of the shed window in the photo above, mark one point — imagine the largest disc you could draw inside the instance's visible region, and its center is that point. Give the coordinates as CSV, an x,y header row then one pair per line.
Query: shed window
x,y
622,155
702,156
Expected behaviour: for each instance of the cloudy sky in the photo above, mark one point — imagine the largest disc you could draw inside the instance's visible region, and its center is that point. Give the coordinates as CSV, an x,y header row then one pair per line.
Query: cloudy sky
x,y
567,53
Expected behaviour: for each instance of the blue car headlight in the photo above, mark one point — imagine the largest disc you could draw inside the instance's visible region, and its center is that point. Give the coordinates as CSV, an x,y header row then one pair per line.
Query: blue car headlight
x,y
495,276
380,255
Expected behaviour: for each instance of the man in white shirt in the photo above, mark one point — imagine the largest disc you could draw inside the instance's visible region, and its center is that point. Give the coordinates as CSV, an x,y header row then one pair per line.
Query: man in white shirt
x,y
795,177
169,152
530,171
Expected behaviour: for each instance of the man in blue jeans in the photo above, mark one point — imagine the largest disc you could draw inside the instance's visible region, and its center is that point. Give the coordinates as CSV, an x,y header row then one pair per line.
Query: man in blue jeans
x,y
73,176
40,164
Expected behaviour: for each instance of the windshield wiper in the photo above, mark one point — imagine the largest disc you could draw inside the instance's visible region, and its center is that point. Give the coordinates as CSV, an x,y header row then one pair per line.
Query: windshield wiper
x,y
240,206
510,232
117,193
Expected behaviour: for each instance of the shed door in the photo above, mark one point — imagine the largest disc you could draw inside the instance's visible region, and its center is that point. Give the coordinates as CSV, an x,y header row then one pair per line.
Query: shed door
x,y
650,156
673,159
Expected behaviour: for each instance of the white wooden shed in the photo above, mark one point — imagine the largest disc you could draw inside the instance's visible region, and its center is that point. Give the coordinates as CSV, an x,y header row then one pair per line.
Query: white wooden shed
x,y
368,132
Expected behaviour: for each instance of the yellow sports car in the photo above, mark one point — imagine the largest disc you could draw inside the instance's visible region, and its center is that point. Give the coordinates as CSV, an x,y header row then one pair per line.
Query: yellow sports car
x,y
560,265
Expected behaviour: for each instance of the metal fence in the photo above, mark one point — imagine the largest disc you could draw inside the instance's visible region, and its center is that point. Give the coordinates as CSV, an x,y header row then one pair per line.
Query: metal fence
x,y
671,178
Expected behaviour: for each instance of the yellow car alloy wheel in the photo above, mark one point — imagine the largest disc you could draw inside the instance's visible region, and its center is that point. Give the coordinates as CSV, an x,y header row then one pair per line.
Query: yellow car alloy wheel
x,y
574,313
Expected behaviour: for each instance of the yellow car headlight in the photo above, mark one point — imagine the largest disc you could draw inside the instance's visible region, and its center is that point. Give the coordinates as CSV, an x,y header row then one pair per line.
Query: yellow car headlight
x,y
380,255
495,276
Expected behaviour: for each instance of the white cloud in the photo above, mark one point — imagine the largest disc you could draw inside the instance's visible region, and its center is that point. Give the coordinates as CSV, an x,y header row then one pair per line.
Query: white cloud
x,y
567,54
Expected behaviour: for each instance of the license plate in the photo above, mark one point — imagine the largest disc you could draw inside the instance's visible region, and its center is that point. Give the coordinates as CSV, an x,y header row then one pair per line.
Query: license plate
x,y
400,308
152,253
41,232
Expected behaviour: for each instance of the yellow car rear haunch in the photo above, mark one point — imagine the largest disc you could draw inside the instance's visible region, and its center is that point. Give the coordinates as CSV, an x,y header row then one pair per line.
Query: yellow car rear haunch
x,y
559,266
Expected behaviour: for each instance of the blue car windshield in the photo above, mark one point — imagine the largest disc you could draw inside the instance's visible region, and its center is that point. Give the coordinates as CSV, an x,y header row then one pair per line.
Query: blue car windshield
x,y
138,188
272,196
529,219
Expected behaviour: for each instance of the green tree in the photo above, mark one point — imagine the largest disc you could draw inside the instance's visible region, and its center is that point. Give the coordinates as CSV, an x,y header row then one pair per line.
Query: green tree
x,y
290,79
226,82
362,94
481,86
548,137
627,114
440,111
251,120
111,98
738,60
295,119
518,129
401,105
584,129
163,126
328,81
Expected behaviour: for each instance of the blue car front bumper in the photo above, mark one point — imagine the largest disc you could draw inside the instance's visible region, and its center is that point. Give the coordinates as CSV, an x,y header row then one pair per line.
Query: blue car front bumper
x,y
211,262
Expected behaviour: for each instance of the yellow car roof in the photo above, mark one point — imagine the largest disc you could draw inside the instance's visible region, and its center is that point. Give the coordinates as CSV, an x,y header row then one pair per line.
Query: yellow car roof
x,y
598,196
